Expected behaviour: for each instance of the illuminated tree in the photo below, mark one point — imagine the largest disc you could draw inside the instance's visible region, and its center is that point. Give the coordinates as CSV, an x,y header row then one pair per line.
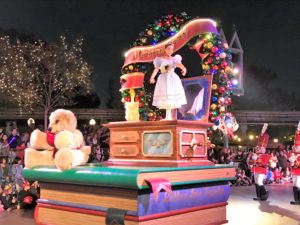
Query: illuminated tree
x,y
38,74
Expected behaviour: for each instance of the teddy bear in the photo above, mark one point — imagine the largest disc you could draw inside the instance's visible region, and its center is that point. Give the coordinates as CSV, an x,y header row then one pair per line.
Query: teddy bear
x,y
62,145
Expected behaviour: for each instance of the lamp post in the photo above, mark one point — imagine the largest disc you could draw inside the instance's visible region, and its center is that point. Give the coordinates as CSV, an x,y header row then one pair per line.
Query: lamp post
x,y
31,122
92,122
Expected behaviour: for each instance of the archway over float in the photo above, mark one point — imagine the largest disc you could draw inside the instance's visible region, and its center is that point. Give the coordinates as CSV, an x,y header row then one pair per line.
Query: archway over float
x,y
182,142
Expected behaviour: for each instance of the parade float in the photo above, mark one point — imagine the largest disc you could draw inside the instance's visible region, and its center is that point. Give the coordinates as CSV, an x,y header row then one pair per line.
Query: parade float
x,y
158,172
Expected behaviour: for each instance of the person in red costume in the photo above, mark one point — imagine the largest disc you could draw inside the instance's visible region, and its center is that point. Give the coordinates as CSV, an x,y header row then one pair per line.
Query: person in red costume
x,y
296,168
261,163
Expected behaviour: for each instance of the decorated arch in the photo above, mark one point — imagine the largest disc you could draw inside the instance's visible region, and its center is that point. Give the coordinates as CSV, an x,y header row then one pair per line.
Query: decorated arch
x,y
200,35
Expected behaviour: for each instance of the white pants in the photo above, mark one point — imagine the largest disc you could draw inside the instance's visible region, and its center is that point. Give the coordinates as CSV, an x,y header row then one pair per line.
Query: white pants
x,y
259,178
296,181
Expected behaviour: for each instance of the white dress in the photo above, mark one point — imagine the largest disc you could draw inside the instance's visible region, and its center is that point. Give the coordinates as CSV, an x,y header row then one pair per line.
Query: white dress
x,y
168,92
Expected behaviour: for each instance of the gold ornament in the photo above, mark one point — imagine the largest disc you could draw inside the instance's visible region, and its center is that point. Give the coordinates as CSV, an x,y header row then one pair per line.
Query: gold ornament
x,y
214,86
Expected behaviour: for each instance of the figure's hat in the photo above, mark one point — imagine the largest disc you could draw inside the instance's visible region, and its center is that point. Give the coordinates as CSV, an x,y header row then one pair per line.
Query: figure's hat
x,y
263,138
297,136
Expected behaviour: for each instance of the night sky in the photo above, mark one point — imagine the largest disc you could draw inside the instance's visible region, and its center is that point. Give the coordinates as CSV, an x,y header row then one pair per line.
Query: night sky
x,y
268,30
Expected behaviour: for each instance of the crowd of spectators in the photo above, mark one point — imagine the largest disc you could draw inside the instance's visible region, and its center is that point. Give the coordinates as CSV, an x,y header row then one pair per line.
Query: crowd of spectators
x,y
278,170
17,192
98,139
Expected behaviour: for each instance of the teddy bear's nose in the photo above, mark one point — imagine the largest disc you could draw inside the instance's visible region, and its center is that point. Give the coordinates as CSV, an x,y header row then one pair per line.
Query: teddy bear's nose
x,y
49,129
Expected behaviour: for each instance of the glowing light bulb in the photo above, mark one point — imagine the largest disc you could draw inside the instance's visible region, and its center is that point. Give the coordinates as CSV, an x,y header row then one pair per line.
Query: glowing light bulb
x,y
235,71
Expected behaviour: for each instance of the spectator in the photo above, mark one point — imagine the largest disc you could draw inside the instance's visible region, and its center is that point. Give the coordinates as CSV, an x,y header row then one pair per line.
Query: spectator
x,y
211,155
269,176
5,172
4,146
273,160
26,199
24,143
98,154
278,176
19,173
245,180
104,145
292,159
13,141
282,162
241,178
239,156
7,199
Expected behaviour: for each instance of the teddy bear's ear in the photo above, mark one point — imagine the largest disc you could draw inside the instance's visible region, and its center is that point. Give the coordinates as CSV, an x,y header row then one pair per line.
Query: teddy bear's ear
x,y
51,116
71,118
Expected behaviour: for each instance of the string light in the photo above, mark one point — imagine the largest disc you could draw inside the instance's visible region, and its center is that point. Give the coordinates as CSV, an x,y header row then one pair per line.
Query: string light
x,y
40,74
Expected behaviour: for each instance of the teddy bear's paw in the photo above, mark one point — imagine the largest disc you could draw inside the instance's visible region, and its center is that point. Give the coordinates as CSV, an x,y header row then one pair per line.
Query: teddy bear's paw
x,y
33,158
86,152
38,140
64,159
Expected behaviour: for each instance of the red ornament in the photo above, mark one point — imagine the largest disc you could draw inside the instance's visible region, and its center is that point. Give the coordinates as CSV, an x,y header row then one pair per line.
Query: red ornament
x,y
222,90
215,67
228,101
214,49
224,64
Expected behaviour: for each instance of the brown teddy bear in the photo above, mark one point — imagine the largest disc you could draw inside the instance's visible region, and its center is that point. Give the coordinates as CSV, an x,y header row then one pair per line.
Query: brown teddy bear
x,y
62,145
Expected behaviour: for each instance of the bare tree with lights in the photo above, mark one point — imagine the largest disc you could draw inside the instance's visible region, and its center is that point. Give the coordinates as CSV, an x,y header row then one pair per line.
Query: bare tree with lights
x,y
37,74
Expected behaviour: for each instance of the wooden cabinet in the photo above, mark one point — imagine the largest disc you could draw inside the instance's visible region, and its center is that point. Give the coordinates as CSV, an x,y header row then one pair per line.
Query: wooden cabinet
x,y
158,143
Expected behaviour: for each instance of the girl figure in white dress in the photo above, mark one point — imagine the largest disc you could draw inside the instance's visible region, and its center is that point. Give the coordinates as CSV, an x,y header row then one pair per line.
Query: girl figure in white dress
x,y
168,93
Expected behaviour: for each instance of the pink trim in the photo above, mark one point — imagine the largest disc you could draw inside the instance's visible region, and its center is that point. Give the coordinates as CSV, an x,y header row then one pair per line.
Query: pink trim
x,y
158,184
